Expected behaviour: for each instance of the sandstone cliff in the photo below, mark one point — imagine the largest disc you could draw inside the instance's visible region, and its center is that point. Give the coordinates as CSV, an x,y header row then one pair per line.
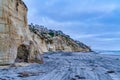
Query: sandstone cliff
x,y
14,34
17,43
52,40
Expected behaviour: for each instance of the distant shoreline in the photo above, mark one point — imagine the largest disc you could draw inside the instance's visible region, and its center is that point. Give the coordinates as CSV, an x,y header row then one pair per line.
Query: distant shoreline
x,y
115,52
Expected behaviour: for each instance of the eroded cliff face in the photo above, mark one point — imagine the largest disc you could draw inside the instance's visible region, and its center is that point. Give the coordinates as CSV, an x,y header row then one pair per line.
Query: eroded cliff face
x,y
51,40
14,33
17,43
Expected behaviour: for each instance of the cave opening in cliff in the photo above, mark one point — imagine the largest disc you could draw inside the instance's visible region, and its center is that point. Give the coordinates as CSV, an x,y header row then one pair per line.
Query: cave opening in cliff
x,y
22,53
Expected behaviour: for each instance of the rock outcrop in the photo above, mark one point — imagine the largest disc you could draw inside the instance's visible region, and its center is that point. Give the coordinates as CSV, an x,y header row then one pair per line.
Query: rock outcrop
x,y
16,42
52,40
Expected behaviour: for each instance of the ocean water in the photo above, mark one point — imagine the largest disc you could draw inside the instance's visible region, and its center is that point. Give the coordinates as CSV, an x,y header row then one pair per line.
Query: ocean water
x,y
115,52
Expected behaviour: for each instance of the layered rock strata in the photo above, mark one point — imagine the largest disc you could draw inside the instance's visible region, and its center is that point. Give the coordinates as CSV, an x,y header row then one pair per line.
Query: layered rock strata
x,y
14,33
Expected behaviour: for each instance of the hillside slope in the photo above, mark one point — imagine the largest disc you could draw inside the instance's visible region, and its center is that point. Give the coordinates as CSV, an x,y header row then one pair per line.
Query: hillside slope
x,y
52,40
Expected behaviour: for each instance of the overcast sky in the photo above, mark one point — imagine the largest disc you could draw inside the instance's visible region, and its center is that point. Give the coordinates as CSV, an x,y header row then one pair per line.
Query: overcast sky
x,y
94,22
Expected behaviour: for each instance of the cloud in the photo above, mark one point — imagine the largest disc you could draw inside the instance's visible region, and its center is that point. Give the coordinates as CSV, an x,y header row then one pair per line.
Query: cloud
x,y
90,7
107,39
98,35
69,9
94,22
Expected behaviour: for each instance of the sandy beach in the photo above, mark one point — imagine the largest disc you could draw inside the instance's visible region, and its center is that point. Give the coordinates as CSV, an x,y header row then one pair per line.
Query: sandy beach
x,y
67,66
